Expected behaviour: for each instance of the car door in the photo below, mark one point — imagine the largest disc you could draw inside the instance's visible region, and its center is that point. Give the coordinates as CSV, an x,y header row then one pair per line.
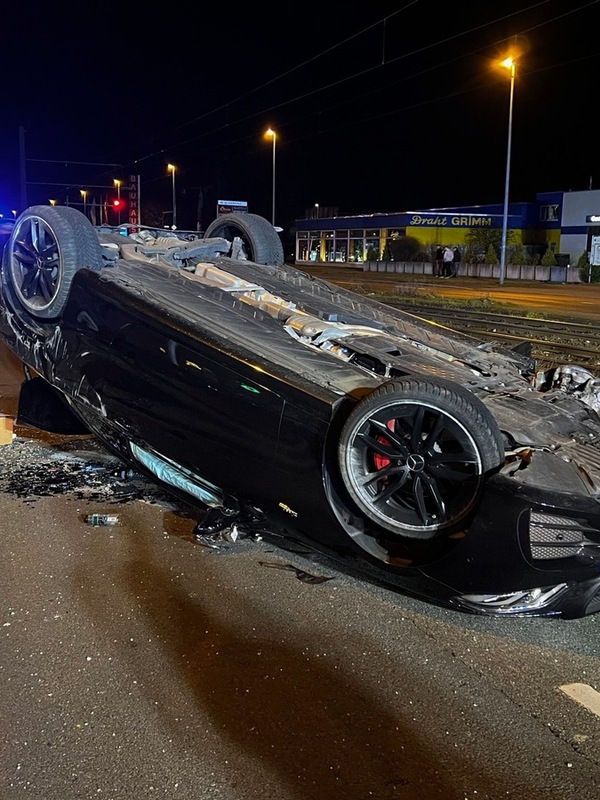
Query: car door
x,y
198,406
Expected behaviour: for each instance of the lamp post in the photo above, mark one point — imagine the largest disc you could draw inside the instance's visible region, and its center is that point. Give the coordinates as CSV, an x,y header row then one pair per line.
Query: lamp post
x,y
171,168
53,202
270,133
508,63
83,193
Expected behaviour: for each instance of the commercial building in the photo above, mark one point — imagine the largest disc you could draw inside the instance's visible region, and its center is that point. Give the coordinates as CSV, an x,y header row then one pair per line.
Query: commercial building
x,y
568,223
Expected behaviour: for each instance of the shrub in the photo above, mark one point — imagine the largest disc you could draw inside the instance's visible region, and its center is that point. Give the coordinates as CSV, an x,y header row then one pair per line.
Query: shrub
x,y
491,257
519,256
404,248
470,256
548,259
583,265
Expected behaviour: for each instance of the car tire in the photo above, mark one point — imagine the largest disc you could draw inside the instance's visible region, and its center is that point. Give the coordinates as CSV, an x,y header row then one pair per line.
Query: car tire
x,y
47,247
414,454
260,240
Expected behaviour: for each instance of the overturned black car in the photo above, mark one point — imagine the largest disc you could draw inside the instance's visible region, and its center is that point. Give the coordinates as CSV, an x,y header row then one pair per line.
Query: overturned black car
x,y
449,469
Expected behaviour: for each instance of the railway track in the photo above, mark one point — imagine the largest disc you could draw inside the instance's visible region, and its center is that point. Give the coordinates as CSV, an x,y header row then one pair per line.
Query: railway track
x,y
552,341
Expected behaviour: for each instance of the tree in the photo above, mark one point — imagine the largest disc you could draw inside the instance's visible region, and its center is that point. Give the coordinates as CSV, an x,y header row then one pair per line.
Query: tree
x,y
479,240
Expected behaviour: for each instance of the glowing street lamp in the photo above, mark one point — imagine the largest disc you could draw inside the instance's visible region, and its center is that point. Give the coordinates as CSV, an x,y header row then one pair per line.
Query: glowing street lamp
x,y
508,63
83,193
52,202
171,168
271,134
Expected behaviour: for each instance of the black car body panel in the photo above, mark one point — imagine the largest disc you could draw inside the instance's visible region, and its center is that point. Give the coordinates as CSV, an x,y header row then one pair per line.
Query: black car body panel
x,y
438,465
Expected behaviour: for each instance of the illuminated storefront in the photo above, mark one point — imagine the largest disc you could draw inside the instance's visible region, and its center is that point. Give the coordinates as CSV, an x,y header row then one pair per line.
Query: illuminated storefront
x,y
371,237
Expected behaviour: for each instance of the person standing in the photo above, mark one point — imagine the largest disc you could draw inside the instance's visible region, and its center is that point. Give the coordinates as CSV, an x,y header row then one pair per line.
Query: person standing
x,y
448,262
456,262
438,266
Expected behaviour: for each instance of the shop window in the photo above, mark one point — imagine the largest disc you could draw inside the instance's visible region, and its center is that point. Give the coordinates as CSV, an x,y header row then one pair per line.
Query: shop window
x,y
341,246
372,248
303,251
330,249
356,250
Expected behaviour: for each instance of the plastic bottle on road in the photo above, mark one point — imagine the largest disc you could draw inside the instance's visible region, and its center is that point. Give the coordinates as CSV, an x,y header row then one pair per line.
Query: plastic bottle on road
x,y
101,519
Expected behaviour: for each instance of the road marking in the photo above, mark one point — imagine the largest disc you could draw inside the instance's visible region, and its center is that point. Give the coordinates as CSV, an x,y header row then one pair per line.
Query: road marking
x,y
584,695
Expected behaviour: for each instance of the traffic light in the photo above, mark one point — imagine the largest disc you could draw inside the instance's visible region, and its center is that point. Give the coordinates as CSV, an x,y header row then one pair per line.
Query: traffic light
x,y
118,204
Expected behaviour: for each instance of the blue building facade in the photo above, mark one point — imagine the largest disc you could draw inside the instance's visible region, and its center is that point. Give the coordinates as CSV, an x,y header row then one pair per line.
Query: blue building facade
x,y
559,221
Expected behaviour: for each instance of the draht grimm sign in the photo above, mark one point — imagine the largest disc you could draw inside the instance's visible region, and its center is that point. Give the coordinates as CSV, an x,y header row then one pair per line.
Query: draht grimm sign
x,y
450,221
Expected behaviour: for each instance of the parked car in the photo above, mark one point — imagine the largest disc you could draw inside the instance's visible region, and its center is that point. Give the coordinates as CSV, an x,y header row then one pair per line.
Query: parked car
x,y
444,467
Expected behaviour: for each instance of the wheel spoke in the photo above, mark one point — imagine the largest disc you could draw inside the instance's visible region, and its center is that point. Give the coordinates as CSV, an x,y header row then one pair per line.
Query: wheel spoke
x,y
416,437
28,286
451,458
394,487
432,437
378,446
390,435
24,253
46,285
440,471
420,500
436,496
384,474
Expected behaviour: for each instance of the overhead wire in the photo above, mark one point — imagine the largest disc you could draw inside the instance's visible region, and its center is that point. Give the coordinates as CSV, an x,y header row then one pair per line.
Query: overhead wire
x,y
361,73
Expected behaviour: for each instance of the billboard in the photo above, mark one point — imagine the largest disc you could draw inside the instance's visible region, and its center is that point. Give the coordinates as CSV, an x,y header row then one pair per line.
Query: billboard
x,y
231,207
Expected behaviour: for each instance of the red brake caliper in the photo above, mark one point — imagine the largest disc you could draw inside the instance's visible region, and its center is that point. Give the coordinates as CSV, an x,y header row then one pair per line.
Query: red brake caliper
x,y
381,462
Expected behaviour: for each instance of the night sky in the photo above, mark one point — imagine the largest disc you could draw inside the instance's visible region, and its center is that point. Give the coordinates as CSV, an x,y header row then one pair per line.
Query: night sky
x,y
378,106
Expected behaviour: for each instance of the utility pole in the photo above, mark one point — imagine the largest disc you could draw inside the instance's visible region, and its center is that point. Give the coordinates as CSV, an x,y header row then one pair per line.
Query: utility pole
x,y
22,171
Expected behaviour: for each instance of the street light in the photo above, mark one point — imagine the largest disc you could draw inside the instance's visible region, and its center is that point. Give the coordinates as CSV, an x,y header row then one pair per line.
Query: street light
x,y
171,168
53,202
508,63
83,193
270,133
117,183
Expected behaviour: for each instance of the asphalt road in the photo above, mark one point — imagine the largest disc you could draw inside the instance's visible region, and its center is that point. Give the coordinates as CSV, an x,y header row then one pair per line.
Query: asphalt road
x,y
137,663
